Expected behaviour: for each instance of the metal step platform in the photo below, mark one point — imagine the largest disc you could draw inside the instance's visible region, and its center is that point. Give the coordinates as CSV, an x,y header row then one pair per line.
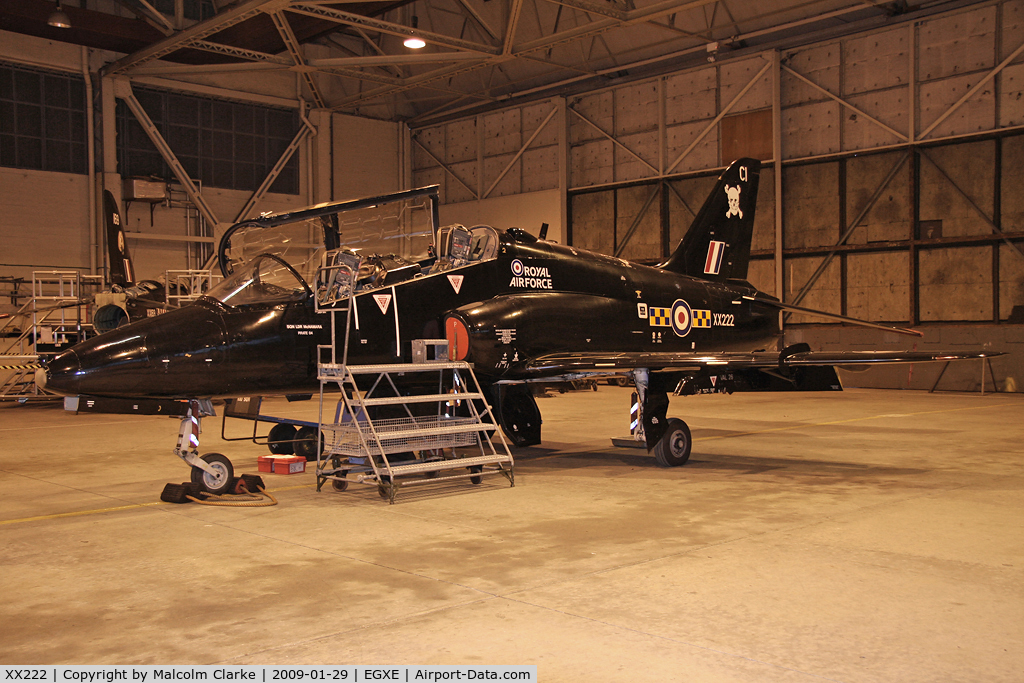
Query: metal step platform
x,y
393,434
376,450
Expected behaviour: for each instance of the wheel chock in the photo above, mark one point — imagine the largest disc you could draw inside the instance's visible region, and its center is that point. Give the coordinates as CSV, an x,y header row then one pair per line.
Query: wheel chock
x,y
247,483
179,493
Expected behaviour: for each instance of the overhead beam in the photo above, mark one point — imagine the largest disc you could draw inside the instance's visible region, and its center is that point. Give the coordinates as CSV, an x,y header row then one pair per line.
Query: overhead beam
x,y
182,39
859,112
123,90
970,93
306,129
284,29
614,141
350,19
639,16
445,167
395,60
522,150
721,115
849,230
513,25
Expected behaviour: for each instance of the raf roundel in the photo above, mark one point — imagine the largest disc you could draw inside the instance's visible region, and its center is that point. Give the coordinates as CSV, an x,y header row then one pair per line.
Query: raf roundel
x,y
517,268
682,318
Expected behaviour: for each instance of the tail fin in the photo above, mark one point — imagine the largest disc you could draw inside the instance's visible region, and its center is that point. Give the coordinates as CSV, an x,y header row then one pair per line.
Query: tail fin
x,y
121,270
717,245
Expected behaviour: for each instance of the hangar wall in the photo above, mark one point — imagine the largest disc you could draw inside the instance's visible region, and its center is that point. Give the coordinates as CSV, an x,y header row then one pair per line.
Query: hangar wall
x,y
900,198
46,222
483,162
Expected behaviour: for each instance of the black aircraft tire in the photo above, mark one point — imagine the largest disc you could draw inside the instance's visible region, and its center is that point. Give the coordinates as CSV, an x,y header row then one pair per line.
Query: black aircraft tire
x,y
306,443
673,449
280,439
214,483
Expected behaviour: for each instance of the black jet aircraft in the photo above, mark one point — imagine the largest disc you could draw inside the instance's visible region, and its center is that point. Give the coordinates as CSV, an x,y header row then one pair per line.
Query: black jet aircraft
x,y
519,308
127,299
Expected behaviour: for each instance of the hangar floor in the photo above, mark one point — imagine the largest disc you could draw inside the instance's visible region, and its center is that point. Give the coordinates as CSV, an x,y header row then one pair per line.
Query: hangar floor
x,y
868,535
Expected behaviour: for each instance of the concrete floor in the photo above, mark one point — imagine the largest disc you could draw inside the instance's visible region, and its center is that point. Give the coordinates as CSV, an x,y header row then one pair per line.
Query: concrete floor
x,y
868,535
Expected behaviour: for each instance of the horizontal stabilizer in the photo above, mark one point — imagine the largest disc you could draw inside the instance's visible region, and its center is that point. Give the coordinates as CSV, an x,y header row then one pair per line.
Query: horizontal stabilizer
x,y
832,316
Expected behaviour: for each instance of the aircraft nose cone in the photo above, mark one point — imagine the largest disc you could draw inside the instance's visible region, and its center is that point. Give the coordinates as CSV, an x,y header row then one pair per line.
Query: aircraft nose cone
x,y
60,374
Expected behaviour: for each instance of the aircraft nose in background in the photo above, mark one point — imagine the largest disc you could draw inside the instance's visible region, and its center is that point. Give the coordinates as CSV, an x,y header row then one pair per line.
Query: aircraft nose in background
x,y
60,374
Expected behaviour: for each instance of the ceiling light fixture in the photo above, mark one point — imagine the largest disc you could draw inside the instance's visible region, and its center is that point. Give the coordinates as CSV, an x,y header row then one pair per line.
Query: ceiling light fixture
x,y
414,42
58,19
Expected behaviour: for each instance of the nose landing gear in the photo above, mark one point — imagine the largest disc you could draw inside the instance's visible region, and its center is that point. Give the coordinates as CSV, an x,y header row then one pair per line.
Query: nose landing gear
x,y
212,471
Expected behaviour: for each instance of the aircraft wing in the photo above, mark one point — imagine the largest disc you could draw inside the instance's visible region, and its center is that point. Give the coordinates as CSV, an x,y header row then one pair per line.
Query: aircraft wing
x,y
608,363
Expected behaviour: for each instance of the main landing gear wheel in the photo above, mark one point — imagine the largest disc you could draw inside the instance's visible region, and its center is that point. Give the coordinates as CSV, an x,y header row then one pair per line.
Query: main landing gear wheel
x,y
673,449
219,480
281,438
306,443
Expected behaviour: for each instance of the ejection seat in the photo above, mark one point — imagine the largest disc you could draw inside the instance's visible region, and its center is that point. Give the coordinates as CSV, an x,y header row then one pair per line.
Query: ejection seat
x,y
459,245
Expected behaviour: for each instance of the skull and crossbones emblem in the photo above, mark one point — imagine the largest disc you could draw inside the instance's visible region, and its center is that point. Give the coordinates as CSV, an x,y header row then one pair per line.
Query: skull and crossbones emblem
x,y
733,193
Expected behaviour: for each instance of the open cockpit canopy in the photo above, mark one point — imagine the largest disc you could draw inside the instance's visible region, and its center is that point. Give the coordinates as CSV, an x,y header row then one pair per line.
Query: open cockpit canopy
x,y
275,257
401,224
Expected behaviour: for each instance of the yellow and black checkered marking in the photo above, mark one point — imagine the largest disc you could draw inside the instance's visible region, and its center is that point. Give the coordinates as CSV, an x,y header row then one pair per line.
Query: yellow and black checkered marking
x,y
660,317
701,318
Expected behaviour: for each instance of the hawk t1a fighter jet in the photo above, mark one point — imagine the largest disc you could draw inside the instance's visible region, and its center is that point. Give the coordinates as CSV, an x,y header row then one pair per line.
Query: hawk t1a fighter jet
x,y
125,299
519,308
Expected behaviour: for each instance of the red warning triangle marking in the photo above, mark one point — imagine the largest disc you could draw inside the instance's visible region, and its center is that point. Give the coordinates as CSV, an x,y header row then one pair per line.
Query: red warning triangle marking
x,y
456,282
383,301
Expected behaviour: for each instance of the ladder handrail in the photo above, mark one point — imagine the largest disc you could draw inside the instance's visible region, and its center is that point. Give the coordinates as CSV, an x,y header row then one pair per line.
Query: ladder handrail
x,y
335,292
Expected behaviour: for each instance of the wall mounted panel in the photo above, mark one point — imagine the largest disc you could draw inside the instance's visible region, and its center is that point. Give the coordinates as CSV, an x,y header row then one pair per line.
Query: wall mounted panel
x,y
878,286
956,284
891,216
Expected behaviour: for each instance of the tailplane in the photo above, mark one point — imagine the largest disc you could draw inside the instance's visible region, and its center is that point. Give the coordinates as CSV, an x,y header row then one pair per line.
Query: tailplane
x,y
717,245
121,271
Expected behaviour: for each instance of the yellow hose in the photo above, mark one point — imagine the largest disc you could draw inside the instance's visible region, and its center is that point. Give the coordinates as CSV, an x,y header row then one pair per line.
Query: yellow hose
x,y
256,499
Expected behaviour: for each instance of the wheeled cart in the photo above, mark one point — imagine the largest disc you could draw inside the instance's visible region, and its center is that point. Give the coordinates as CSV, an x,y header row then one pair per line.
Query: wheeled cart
x,y
383,435
433,424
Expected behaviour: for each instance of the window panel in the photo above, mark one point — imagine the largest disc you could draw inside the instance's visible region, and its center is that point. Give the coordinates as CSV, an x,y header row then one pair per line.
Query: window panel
x,y
221,144
243,148
28,118
58,125
78,127
245,175
222,119
29,153
58,156
243,119
56,91
6,84
7,117
27,87
181,110
7,153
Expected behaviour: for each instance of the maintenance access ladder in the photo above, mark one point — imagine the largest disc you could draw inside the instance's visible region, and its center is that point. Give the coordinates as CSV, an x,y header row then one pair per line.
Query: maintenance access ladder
x,y
390,452
359,447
